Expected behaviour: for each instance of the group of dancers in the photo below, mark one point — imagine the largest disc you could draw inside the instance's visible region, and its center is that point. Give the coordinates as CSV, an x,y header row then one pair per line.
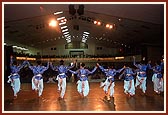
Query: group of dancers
x,y
82,74
129,74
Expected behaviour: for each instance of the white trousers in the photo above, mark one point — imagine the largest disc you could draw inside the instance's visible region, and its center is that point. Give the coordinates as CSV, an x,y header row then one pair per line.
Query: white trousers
x,y
83,87
15,84
129,87
109,87
141,81
157,83
62,86
37,85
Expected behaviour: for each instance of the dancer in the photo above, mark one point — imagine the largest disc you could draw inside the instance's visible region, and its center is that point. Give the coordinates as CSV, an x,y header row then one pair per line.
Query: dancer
x,y
83,84
128,74
157,78
141,76
61,77
109,82
14,78
37,79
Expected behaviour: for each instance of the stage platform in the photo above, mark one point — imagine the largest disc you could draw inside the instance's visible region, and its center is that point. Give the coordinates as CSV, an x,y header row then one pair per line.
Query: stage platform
x,y
28,100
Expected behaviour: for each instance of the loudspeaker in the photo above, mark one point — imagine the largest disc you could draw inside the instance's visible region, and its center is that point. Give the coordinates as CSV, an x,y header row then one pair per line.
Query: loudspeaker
x,y
81,10
72,10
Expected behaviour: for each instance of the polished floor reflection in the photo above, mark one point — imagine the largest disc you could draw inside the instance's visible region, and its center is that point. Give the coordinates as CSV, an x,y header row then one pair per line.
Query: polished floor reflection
x,y
28,101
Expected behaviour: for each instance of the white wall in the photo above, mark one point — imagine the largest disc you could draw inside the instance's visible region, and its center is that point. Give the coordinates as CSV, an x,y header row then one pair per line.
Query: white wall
x,y
92,50
60,49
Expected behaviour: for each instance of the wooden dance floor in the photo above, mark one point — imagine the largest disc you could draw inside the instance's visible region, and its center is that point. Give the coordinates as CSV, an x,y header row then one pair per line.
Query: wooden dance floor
x,y
28,100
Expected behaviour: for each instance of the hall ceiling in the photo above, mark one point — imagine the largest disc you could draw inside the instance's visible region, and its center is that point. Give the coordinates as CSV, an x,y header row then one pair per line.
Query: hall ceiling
x,y
133,24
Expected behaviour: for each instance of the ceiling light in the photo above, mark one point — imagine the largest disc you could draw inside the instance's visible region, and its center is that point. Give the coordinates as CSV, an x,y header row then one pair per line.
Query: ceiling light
x,y
62,23
107,25
69,37
65,30
98,23
95,22
68,41
63,27
84,41
86,32
111,26
60,18
56,13
66,33
53,23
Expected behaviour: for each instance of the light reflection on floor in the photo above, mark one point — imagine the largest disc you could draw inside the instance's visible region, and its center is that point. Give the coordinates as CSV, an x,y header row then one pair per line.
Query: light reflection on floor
x,y
28,101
